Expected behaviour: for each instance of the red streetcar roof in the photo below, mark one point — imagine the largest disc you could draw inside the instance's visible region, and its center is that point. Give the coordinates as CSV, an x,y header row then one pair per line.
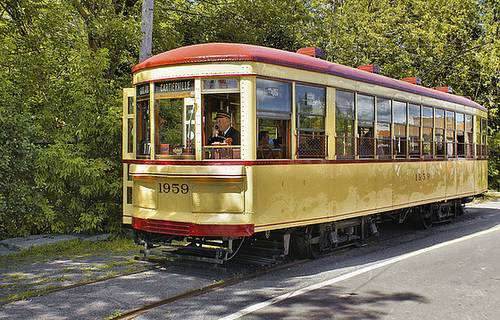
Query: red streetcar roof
x,y
228,52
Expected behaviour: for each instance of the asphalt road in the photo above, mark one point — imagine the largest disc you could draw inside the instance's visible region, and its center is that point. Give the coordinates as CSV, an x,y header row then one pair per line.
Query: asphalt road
x,y
449,272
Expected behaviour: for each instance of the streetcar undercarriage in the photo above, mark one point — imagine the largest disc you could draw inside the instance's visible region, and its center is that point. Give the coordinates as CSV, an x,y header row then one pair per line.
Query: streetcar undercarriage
x,y
270,247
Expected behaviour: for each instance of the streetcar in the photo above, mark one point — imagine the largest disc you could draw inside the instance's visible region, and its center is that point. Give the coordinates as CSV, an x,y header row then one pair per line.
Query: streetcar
x,y
322,152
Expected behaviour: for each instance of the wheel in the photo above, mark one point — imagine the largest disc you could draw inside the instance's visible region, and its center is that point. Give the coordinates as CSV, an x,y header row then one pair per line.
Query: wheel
x,y
314,242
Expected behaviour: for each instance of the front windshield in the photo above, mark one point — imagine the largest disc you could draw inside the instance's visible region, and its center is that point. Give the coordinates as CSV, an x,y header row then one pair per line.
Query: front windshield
x,y
174,127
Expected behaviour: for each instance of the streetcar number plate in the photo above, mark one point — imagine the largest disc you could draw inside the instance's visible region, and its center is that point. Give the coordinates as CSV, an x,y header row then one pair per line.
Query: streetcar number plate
x,y
174,188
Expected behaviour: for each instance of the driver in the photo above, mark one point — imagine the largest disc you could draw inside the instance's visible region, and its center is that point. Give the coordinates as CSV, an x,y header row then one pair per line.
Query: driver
x,y
223,131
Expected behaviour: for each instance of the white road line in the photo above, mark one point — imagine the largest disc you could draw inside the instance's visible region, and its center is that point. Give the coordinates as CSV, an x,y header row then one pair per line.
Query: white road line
x,y
367,268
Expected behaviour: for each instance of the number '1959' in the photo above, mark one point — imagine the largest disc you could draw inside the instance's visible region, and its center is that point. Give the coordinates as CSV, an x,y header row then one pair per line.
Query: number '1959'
x,y
174,188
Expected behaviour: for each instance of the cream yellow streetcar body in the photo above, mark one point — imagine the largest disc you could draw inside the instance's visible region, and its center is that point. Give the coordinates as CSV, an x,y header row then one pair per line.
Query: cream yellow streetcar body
x,y
346,147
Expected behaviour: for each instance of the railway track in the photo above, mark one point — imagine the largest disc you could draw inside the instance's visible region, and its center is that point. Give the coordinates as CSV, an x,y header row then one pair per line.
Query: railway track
x,y
75,285
287,263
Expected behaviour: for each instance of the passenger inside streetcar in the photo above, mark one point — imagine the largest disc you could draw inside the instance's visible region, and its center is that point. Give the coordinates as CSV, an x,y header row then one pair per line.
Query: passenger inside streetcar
x,y
263,150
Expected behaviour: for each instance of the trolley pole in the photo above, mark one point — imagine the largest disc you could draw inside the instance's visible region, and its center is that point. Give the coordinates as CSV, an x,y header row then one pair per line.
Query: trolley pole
x,y
147,30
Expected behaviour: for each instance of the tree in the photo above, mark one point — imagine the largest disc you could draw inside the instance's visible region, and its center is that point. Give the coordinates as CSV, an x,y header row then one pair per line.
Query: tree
x,y
65,63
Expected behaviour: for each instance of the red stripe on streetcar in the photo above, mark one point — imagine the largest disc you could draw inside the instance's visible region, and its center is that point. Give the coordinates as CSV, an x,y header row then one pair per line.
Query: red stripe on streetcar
x,y
192,229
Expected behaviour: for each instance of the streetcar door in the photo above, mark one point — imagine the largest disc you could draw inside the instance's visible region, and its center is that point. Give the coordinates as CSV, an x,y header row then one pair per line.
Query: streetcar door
x,y
128,151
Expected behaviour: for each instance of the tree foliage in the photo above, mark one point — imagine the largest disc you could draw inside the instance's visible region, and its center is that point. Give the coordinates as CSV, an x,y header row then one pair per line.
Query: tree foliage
x,y
63,64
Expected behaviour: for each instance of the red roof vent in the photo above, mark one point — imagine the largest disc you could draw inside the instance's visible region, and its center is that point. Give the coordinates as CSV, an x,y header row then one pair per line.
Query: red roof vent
x,y
313,52
443,89
370,68
414,80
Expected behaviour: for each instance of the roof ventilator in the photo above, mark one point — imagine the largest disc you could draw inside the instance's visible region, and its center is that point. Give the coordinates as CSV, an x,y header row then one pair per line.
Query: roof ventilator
x,y
413,80
443,89
372,68
312,52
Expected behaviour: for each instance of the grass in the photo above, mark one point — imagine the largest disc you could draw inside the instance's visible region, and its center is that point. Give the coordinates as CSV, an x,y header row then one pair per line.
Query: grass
x,y
44,268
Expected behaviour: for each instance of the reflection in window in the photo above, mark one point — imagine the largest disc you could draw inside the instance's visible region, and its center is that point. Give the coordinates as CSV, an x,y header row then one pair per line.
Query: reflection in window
x,y
130,132
469,136
344,124
450,134
366,118
344,104
384,119
384,112
414,114
274,109
439,118
400,112
274,98
143,134
428,125
440,143
400,120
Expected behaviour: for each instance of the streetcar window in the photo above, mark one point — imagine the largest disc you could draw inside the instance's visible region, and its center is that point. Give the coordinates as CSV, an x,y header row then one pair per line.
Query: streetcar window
x,y
384,112
414,115
439,118
274,109
400,120
222,124
450,120
427,128
130,104
450,134
278,146
469,136
274,98
311,108
483,141
414,133
143,133
399,112
439,124
366,119
384,119
344,124
344,104
142,118
174,119
170,116
130,133
460,123
439,138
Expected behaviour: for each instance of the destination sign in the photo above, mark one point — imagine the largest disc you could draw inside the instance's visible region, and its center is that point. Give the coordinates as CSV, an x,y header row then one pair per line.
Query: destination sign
x,y
177,86
143,90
